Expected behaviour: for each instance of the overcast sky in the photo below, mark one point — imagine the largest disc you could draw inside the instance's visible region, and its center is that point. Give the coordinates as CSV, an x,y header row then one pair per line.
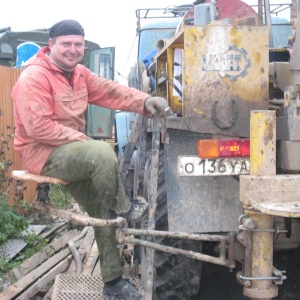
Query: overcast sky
x,y
106,22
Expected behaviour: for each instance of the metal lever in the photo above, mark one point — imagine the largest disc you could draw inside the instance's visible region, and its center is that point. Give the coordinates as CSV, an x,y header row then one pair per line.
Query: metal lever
x,y
163,74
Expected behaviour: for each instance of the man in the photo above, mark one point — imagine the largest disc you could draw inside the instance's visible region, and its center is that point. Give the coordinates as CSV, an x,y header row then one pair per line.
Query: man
x,y
50,99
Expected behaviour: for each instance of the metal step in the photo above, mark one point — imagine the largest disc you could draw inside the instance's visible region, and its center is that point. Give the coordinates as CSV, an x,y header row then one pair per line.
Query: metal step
x,y
82,287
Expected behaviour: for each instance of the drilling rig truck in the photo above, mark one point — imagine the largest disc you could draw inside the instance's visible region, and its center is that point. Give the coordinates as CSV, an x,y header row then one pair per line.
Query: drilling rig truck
x,y
221,182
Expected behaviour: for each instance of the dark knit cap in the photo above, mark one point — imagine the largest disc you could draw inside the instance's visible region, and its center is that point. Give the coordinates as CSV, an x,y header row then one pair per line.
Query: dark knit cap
x,y
66,27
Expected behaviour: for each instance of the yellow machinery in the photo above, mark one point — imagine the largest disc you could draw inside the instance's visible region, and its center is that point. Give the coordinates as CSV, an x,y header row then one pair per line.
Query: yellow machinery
x,y
220,168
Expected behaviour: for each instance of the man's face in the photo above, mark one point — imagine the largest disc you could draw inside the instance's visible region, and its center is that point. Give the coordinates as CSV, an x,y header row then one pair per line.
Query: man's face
x,y
67,51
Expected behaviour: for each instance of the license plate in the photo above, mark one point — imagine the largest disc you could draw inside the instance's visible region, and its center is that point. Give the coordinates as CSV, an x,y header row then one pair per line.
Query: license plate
x,y
196,166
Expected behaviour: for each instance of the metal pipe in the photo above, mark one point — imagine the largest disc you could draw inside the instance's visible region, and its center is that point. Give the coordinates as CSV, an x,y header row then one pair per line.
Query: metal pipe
x,y
263,163
260,13
75,253
262,259
268,22
263,143
232,241
177,251
152,196
176,235
172,83
223,251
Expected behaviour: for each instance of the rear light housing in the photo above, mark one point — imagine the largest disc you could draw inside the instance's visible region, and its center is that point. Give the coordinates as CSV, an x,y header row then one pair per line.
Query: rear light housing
x,y
223,148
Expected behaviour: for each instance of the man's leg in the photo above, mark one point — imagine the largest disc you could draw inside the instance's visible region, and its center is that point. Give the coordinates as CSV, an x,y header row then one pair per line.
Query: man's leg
x,y
93,160
92,169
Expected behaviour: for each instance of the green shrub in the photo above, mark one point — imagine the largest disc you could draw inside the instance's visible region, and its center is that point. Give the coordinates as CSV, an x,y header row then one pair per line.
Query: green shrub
x,y
11,223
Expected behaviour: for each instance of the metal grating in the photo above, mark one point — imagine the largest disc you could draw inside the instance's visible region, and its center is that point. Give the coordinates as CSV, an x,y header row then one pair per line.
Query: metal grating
x,y
82,287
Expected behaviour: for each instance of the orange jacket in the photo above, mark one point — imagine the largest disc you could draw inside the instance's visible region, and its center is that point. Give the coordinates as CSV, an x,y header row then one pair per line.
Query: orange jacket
x,y
49,111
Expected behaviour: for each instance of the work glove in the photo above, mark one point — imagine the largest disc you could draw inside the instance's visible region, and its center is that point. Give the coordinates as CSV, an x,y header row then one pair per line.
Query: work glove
x,y
156,106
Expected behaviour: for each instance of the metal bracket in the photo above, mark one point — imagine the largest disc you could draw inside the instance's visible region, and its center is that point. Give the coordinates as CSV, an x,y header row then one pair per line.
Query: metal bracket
x,y
278,278
277,231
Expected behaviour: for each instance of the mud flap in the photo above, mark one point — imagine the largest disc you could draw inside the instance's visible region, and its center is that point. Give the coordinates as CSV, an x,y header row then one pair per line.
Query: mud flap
x,y
198,203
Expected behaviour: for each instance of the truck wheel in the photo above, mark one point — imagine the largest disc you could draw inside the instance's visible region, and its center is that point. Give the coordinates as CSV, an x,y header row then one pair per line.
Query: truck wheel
x,y
175,277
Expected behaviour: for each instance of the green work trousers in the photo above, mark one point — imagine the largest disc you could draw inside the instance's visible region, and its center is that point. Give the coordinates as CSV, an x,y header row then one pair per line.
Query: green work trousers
x,y
91,167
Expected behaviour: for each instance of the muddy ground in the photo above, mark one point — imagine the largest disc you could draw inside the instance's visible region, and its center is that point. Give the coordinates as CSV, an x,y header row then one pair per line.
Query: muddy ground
x,y
217,283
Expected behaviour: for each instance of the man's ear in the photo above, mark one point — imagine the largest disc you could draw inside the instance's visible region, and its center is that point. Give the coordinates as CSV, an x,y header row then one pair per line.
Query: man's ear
x,y
51,42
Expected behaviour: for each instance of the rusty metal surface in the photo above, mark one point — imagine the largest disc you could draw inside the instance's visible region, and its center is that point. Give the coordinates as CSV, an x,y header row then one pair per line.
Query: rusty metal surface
x,y
263,143
178,235
225,242
206,125
206,204
227,76
262,259
267,192
152,196
263,163
221,260
82,287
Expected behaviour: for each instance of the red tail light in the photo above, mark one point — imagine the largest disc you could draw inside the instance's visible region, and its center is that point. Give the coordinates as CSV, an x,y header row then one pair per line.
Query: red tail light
x,y
223,148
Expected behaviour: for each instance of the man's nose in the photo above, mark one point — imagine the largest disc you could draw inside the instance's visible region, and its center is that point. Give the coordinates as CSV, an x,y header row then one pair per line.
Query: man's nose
x,y
72,48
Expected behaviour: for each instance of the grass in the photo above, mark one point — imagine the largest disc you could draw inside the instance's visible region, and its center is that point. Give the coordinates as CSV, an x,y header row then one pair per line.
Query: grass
x,y
60,197
13,220
11,223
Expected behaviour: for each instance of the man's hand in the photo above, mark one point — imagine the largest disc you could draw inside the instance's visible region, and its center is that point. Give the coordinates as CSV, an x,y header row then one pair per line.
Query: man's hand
x,y
156,106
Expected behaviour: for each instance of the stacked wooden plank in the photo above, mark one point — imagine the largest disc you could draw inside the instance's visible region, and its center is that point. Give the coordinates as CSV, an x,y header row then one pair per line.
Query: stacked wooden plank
x,y
68,267
35,277
12,247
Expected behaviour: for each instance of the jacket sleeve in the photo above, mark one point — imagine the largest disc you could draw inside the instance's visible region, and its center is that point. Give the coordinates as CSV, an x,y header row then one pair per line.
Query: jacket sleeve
x,y
110,94
34,105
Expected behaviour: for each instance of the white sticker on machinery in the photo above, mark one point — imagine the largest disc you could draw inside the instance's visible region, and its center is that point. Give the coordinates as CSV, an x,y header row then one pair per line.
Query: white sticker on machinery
x,y
196,166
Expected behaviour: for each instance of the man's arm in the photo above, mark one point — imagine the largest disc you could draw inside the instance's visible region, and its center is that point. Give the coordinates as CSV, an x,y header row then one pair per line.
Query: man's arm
x,y
112,95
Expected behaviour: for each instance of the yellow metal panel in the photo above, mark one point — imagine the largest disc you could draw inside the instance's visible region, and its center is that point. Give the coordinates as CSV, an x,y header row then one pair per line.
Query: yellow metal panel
x,y
174,101
165,63
222,64
263,143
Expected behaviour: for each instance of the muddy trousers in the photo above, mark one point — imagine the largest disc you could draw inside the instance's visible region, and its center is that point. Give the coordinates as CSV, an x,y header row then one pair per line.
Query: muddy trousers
x,y
91,167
